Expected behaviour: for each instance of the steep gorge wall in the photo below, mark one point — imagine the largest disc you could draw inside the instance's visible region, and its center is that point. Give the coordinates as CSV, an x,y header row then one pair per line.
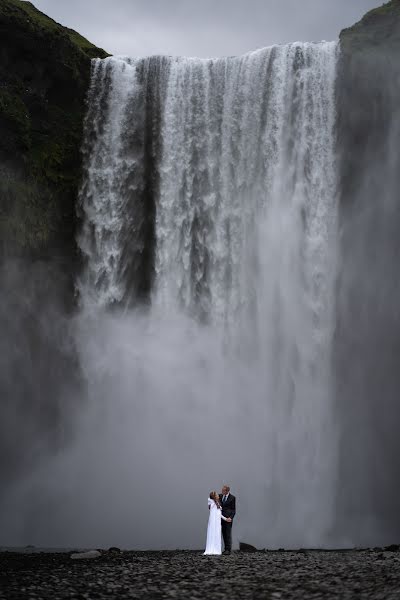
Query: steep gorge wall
x,y
367,345
44,77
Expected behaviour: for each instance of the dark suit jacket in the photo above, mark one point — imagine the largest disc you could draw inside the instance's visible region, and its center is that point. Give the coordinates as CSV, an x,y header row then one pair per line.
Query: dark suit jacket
x,y
229,508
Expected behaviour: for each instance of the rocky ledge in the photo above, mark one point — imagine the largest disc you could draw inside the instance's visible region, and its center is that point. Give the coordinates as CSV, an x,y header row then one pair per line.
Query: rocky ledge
x,y
371,574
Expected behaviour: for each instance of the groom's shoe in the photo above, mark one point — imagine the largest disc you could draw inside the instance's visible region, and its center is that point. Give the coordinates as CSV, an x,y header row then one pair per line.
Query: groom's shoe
x,y
226,552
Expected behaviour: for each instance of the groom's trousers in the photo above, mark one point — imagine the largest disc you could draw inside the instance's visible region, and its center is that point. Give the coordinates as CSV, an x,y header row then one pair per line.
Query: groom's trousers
x,y
227,535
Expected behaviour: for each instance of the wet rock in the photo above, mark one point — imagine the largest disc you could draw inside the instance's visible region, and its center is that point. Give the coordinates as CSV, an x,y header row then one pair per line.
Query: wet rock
x,y
247,547
187,574
392,548
89,554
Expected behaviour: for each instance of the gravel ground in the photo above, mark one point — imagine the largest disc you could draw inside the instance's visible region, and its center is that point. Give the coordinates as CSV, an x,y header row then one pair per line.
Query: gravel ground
x,y
267,575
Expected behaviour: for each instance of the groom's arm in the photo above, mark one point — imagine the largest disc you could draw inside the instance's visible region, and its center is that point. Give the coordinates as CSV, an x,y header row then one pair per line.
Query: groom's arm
x,y
233,509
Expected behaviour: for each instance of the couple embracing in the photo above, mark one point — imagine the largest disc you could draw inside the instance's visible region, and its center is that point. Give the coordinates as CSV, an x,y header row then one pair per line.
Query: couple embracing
x,y
222,509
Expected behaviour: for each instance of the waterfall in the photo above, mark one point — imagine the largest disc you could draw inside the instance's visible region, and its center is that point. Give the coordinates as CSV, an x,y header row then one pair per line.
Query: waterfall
x,y
209,195
227,142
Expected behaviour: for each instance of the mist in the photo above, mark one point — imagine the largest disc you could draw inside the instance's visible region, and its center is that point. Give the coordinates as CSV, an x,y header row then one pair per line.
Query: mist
x,y
149,441
224,376
367,335
236,317
168,417
40,378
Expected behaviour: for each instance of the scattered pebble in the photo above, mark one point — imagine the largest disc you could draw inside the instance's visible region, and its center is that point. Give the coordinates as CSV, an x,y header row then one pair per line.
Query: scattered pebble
x,y
185,574
89,554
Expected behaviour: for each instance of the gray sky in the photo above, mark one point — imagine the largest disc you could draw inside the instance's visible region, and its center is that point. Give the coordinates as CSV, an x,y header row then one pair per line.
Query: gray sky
x,y
203,27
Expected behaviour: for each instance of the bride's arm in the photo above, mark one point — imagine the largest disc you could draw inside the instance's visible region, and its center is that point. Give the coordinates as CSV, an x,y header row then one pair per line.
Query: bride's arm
x,y
225,518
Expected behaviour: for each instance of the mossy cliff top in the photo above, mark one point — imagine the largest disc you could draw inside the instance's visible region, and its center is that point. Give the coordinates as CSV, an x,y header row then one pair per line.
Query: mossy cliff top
x,y
41,24
378,29
44,77
368,90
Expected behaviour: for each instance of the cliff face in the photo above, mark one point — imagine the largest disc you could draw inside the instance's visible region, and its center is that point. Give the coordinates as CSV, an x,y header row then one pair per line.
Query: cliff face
x,y
367,347
44,76
378,26
367,88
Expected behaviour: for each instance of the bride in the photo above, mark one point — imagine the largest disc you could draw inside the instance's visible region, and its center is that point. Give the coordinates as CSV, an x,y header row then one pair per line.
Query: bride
x,y
213,545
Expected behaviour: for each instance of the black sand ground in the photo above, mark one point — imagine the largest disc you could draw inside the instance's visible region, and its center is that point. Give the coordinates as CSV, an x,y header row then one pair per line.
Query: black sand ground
x,y
145,575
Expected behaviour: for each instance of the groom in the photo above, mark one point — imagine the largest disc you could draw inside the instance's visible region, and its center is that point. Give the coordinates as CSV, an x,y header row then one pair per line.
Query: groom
x,y
228,503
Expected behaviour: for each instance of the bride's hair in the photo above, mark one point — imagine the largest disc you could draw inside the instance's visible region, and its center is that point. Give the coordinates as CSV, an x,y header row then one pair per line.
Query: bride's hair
x,y
214,496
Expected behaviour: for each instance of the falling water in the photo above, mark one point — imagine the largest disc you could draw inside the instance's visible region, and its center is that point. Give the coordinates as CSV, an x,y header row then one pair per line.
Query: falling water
x,y
210,191
209,226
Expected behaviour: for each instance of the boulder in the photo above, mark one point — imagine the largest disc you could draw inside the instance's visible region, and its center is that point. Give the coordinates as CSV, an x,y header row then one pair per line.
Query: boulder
x,y
247,547
392,548
89,554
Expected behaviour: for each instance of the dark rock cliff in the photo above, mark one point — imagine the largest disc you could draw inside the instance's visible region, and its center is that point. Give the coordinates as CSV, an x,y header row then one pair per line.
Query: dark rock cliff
x,y
44,77
367,346
368,88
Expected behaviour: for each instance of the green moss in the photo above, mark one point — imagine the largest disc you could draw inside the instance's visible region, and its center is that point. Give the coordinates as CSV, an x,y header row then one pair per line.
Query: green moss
x,y
15,118
376,26
89,49
27,215
39,18
386,9
44,23
44,75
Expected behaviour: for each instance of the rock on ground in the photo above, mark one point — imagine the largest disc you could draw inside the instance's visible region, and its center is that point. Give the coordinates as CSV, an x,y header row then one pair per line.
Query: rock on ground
x,y
88,554
184,574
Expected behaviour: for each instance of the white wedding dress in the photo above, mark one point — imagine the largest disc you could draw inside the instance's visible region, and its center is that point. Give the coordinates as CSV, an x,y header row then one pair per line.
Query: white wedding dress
x,y
214,544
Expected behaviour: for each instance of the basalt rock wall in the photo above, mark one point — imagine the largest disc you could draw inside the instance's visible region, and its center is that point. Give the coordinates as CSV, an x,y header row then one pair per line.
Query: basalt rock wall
x,y
44,77
367,342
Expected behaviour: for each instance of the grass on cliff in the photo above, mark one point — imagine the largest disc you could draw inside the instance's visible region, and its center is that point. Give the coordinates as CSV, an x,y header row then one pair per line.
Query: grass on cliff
x,y
385,16
44,22
386,9
44,74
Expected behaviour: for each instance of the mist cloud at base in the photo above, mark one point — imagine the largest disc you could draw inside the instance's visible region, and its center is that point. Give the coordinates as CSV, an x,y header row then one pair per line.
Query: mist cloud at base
x,y
168,416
